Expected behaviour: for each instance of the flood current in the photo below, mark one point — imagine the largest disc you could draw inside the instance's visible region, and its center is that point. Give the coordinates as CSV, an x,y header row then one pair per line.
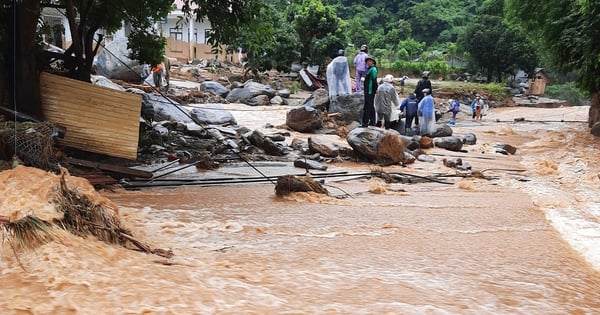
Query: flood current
x,y
523,240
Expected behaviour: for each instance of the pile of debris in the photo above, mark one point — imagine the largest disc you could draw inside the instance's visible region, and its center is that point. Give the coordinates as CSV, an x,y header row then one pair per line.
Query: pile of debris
x,y
37,205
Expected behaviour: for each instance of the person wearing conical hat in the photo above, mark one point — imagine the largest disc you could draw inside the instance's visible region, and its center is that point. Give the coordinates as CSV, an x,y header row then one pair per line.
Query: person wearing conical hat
x,y
368,118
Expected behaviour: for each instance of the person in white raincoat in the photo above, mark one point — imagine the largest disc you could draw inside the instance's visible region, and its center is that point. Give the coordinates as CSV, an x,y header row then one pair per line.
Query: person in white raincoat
x,y
387,102
338,76
426,111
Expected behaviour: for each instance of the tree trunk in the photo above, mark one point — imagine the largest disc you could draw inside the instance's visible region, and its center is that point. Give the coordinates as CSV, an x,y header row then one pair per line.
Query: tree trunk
x,y
594,113
24,77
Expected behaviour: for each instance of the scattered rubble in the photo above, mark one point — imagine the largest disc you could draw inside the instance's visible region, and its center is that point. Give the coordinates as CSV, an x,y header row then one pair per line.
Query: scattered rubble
x,y
209,135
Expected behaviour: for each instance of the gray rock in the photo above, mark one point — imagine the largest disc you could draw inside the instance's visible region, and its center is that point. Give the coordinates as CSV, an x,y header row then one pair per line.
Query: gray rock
x,y
215,88
349,107
276,100
449,143
408,158
469,139
442,130
426,158
158,108
507,148
260,89
323,146
285,93
259,100
299,144
272,148
107,83
240,95
309,164
212,114
319,99
113,62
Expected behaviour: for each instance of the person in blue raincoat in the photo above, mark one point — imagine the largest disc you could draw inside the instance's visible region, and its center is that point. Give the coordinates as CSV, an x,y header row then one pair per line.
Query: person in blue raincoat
x,y
409,107
454,109
426,111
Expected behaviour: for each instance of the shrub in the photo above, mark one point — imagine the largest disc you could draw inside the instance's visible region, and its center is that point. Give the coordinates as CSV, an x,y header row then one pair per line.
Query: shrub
x,y
567,91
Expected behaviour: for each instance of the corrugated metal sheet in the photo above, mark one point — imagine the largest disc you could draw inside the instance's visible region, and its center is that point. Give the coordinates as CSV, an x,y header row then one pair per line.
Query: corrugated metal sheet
x,y
97,119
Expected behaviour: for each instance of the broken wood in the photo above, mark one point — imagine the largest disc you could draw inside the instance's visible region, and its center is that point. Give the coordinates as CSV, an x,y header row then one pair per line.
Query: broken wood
x,y
99,179
117,169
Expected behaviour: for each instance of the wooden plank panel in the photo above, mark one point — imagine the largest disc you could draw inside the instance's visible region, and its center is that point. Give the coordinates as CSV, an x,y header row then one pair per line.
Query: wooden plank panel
x,y
97,119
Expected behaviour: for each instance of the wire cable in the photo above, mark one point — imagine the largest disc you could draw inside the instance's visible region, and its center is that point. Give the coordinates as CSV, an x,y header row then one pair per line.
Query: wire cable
x,y
177,106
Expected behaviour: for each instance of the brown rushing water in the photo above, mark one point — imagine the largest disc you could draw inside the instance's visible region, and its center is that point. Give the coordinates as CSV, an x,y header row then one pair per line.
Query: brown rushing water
x,y
478,246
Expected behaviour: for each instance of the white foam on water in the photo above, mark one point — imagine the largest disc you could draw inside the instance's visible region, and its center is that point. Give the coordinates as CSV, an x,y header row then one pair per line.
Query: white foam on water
x,y
579,229
575,215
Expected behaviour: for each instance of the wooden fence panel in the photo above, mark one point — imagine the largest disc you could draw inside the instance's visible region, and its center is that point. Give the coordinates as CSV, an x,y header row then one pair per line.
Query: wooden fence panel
x,y
97,119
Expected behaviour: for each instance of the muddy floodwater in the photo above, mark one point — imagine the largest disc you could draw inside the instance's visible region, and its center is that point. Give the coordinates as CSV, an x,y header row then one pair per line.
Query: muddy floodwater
x,y
522,240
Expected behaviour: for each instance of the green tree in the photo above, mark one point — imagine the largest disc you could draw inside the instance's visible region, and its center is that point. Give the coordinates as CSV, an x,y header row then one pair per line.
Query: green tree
x,y
432,17
280,51
319,29
496,47
568,33
85,17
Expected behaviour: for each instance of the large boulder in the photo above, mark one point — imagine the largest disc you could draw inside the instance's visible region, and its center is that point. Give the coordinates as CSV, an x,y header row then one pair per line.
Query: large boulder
x,y
323,146
269,146
304,119
319,99
159,108
212,114
385,147
215,88
240,95
442,130
451,143
260,89
113,62
349,107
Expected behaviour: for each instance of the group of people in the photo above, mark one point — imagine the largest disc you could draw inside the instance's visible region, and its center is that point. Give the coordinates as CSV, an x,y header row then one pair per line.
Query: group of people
x,y
382,102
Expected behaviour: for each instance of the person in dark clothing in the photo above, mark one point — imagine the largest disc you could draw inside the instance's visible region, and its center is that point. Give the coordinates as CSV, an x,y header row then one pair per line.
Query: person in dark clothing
x,y
409,107
424,83
368,118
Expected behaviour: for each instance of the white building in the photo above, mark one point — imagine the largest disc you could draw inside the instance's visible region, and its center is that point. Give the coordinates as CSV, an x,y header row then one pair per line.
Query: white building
x,y
186,38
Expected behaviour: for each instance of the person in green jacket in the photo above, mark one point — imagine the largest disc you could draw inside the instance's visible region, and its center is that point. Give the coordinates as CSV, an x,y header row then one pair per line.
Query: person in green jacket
x,y
370,89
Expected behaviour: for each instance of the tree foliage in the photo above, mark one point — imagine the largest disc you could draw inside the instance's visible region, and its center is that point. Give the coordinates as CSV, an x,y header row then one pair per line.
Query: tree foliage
x,y
318,28
570,39
496,47
86,17
280,51
569,34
